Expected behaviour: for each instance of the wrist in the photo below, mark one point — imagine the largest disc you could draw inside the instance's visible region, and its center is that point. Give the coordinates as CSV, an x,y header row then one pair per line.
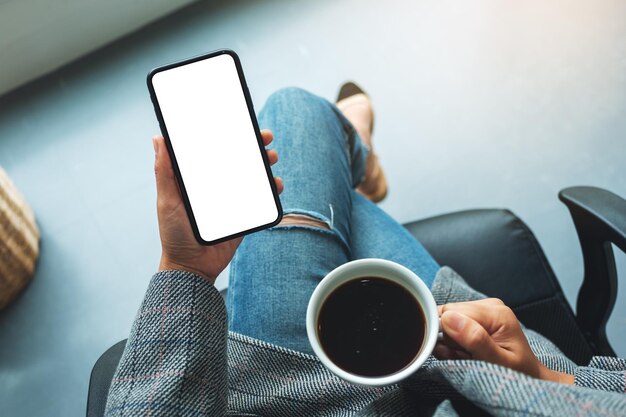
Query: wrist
x,y
168,265
548,374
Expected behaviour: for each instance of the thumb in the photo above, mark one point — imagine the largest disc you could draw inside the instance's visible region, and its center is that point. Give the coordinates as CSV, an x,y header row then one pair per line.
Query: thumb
x,y
470,336
167,188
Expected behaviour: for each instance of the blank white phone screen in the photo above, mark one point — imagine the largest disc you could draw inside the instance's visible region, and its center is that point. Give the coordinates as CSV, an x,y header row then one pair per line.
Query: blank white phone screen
x,y
208,123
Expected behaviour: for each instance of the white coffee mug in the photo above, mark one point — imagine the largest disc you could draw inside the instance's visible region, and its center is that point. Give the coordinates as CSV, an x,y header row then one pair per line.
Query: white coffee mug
x,y
374,268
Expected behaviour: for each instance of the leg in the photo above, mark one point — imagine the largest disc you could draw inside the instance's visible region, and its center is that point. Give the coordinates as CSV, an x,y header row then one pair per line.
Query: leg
x,y
274,272
376,235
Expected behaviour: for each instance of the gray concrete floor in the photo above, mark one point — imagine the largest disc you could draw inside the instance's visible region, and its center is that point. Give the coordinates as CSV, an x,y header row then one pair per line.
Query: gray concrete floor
x,y
478,104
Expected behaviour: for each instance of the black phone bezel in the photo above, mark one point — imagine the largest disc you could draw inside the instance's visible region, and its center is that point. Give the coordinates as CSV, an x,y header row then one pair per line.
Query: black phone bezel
x,y
181,184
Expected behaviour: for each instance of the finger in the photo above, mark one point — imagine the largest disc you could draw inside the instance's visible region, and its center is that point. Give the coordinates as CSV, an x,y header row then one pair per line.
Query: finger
x,y
280,186
481,303
492,301
272,155
443,352
470,336
488,313
167,188
267,136
461,354
446,340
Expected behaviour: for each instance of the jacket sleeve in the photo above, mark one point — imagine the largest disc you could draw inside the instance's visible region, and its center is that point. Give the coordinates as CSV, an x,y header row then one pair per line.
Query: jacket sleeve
x,y
175,359
602,373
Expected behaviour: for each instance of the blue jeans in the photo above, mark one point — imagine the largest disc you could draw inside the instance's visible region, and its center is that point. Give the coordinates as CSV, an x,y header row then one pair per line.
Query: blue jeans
x,y
274,272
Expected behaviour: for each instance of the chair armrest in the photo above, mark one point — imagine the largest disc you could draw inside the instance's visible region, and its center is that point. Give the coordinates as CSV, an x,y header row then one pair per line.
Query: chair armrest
x,y
600,220
101,377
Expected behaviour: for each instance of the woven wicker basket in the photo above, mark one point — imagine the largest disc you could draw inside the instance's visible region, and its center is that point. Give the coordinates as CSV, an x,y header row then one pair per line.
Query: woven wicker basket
x,y
19,241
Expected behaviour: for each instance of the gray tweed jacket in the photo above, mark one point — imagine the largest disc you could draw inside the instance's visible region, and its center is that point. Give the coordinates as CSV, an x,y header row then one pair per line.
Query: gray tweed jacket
x,y
181,360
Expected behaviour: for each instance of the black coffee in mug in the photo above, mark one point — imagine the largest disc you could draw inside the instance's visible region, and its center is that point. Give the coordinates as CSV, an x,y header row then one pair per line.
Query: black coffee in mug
x,y
371,327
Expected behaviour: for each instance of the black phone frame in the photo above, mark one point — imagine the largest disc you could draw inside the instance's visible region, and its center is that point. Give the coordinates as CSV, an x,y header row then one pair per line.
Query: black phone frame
x,y
179,178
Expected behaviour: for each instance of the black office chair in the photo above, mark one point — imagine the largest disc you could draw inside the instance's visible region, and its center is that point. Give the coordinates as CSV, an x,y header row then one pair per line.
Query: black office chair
x,y
498,255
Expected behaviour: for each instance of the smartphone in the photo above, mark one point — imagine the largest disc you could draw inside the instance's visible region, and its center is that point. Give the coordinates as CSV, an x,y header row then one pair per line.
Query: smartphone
x,y
206,115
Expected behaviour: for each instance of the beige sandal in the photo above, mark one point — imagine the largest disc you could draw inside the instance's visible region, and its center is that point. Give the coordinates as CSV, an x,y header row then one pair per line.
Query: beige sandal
x,y
374,185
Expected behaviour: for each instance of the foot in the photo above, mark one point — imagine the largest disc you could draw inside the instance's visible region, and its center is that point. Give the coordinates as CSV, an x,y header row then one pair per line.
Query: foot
x,y
357,108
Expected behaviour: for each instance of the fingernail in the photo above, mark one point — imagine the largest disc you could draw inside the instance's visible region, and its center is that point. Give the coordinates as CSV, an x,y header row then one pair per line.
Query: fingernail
x,y
455,321
155,145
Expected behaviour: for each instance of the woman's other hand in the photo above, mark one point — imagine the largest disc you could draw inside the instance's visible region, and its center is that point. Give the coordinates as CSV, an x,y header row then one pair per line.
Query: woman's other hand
x,y
180,249
488,330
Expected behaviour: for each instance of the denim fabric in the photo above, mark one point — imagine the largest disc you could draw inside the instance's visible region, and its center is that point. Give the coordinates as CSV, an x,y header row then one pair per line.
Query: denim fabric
x,y
274,272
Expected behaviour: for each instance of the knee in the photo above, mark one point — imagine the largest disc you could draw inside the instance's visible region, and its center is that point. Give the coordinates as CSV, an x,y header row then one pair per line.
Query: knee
x,y
293,98
291,94
292,219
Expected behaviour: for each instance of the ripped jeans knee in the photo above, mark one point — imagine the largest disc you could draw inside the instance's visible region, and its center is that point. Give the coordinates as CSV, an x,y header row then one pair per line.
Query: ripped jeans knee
x,y
294,219
314,220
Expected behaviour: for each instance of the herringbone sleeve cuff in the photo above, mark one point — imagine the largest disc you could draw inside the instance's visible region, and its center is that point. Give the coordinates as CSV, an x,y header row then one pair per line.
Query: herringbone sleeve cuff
x,y
603,373
175,359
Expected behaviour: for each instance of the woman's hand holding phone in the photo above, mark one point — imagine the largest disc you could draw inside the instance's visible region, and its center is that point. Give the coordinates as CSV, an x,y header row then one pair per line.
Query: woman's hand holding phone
x,y
180,249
